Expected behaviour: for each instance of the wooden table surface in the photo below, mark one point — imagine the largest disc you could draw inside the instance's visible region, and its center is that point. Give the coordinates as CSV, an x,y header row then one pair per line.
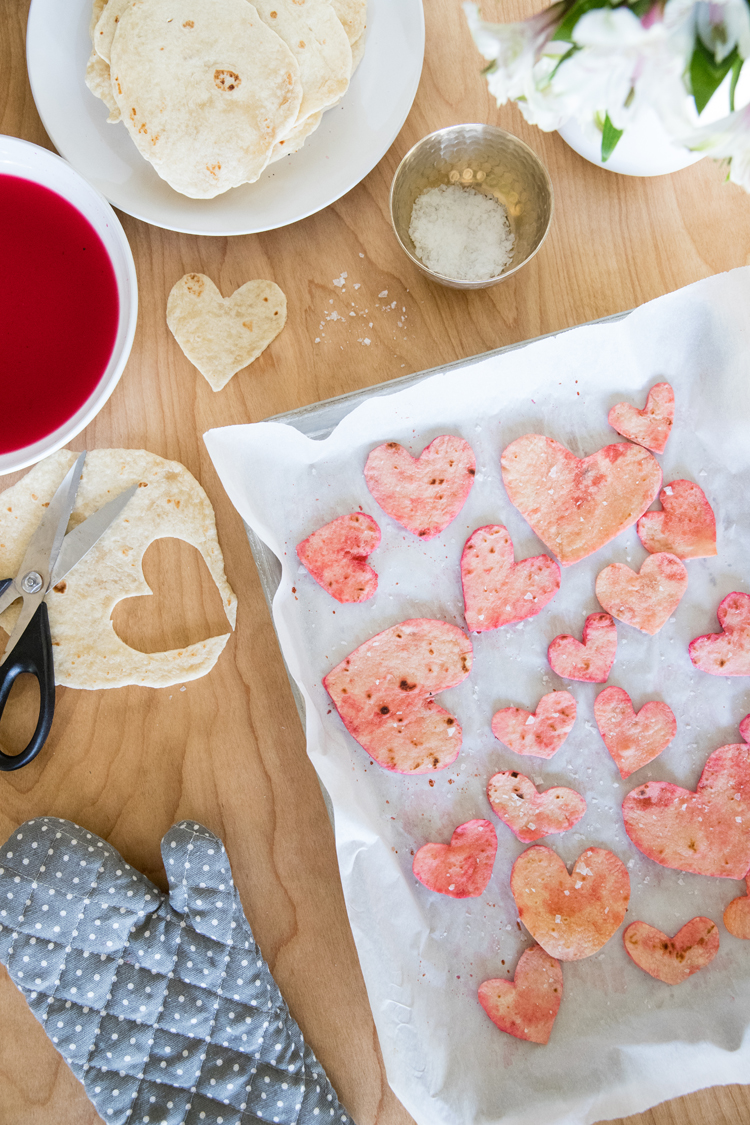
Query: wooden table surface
x,y
228,750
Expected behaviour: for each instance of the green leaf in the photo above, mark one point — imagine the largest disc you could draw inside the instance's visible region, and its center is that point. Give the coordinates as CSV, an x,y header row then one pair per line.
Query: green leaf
x,y
736,69
572,16
706,75
610,137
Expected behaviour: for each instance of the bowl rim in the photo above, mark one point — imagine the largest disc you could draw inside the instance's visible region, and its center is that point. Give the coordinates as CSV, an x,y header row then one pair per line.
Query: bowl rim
x,y
32,162
458,281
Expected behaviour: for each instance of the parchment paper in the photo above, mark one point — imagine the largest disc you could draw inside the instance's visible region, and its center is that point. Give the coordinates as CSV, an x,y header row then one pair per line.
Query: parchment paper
x,y
622,1041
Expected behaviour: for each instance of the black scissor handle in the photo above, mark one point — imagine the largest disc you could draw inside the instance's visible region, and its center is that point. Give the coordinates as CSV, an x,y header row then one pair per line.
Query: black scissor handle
x,y
32,654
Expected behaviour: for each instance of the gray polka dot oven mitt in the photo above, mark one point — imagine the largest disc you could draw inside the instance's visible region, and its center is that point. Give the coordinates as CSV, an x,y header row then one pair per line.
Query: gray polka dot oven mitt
x,y
162,1005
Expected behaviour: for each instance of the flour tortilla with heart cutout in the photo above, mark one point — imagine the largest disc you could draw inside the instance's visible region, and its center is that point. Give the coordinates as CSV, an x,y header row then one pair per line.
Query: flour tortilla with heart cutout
x,y
169,504
221,335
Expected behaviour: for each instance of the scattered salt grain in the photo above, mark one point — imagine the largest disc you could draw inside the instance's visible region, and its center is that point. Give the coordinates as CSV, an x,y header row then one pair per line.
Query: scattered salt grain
x,y
460,233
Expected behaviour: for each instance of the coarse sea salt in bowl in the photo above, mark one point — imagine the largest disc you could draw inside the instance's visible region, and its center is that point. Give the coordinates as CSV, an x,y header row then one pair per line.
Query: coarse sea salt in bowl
x,y
470,205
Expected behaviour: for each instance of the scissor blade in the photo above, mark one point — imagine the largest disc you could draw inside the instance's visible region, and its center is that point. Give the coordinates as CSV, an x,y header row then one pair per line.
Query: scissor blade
x,y
81,539
44,545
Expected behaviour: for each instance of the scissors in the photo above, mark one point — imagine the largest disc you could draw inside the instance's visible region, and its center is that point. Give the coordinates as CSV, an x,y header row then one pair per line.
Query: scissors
x,y
49,556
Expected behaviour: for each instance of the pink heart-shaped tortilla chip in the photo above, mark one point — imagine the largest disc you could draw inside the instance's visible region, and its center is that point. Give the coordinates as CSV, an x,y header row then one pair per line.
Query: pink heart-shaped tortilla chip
x,y
422,493
541,734
571,916
590,660
737,915
726,653
633,739
335,557
745,728
686,527
576,506
498,590
651,426
526,1007
384,691
645,600
461,869
672,960
706,832
531,814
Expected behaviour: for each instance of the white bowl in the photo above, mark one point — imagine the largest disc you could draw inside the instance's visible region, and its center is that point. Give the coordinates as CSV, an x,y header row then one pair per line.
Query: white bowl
x,y
29,162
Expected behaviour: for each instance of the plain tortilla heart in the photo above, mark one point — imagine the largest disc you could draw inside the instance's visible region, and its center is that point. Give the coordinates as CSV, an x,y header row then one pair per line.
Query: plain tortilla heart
x,y
571,916
706,832
576,506
672,960
591,660
687,525
461,869
335,557
633,739
384,691
498,590
541,734
651,426
737,915
422,493
221,335
645,600
530,814
527,1006
726,653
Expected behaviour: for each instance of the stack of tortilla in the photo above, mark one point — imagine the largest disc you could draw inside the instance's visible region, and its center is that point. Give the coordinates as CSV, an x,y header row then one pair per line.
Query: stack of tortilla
x,y
211,91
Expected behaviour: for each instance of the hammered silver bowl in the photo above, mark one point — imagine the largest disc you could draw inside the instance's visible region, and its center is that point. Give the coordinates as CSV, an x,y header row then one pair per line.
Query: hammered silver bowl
x,y
492,162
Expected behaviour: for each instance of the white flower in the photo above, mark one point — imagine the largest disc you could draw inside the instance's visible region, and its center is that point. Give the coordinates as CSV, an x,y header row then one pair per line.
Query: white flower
x,y
724,25
727,139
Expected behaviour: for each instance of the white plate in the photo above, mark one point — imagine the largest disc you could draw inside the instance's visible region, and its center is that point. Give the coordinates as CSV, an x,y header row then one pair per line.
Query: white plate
x,y
350,141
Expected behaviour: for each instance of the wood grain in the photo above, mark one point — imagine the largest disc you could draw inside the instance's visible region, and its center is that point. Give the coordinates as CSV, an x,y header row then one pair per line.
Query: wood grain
x,y
228,750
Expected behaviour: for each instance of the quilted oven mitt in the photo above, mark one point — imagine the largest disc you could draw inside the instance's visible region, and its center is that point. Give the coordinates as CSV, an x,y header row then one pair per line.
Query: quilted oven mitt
x,y
161,1005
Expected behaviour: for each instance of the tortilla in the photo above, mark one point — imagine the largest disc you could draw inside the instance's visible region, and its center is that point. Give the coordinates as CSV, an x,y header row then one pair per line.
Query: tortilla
x,y
99,83
645,600
106,27
335,554
633,739
169,504
651,426
576,505
352,14
243,82
726,653
461,869
737,915
222,335
296,137
319,43
686,527
540,734
498,590
590,661
424,494
384,691
530,814
571,916
706,832
527,1007
672,960
745,728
